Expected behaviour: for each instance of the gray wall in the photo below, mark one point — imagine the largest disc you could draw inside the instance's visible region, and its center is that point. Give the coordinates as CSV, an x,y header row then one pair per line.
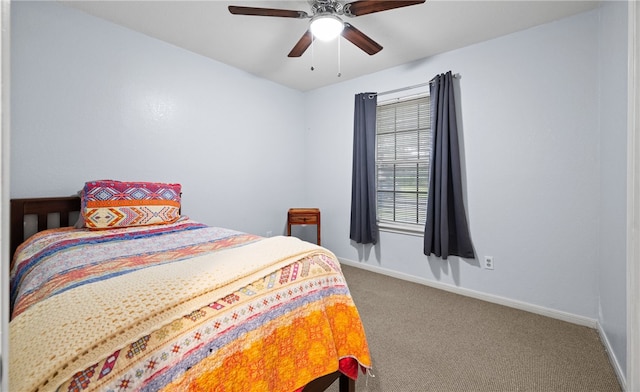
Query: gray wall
x,y
542,119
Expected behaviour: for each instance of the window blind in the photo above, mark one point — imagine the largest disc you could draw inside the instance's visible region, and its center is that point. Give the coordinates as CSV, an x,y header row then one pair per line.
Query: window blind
x,y
403,151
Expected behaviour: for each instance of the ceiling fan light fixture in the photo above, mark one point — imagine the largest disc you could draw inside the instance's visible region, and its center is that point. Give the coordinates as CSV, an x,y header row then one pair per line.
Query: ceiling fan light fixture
x,y
326,27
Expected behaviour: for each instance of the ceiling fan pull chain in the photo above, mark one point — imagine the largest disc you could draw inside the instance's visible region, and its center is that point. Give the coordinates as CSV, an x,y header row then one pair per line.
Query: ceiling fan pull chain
x,y
312,54
339,73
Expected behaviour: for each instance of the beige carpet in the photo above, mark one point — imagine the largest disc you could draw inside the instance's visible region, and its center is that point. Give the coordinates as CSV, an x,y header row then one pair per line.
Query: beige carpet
x,y
425,339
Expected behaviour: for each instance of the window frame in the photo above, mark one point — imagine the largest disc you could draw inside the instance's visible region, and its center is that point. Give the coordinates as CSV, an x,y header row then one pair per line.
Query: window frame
x,y
416,229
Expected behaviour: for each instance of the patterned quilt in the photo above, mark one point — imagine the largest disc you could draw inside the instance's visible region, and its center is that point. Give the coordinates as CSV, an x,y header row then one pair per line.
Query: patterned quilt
x,y
181,306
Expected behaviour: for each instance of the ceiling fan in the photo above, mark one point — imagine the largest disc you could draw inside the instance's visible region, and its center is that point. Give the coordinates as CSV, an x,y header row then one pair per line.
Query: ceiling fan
x,y
328,12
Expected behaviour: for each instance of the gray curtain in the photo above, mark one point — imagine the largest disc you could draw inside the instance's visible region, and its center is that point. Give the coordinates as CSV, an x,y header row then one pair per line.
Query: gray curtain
x,y
364,228
446,232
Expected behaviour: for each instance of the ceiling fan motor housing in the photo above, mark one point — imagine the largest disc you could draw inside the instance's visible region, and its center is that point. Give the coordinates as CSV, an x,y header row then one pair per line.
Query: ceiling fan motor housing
x,y
326,7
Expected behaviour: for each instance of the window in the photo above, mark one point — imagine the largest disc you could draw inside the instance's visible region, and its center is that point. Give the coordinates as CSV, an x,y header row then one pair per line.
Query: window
x,y
403,152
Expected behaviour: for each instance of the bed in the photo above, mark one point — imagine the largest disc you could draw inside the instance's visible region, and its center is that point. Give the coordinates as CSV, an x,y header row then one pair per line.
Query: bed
x,y
175,306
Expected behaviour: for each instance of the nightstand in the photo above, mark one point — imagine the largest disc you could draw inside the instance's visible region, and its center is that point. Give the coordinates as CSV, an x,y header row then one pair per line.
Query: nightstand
x,y
303,216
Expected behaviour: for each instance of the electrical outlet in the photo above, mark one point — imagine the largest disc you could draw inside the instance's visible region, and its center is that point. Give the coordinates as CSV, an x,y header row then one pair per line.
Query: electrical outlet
x,y
488,262
269,233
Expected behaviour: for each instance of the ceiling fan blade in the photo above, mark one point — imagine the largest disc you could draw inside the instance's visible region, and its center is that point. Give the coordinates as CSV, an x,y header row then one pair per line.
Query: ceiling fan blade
x,y
239,10
364,7
359,39
302,45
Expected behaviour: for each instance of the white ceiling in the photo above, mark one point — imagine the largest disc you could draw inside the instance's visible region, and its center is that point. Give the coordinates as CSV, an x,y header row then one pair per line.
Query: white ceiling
x,y
259,45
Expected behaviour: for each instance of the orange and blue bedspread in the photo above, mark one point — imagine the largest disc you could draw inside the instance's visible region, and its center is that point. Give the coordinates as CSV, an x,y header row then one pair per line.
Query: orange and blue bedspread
x,y
276,334
62,259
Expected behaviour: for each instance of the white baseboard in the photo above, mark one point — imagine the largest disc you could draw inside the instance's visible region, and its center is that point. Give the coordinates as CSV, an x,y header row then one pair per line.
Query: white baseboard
x,y
612,358
556,314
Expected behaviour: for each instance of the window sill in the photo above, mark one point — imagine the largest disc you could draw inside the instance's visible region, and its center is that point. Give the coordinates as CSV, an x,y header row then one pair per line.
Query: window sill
x,y
398,228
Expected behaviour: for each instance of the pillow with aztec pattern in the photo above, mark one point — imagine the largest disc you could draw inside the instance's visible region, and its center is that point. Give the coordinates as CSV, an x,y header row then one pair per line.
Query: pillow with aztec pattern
x,y
109,204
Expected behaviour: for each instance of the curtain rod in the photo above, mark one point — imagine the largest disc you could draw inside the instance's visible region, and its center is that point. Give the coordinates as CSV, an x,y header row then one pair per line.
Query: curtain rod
x,y
456,76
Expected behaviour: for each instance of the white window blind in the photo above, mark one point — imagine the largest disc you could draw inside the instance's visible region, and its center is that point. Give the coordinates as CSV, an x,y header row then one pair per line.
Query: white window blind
x,y
403,152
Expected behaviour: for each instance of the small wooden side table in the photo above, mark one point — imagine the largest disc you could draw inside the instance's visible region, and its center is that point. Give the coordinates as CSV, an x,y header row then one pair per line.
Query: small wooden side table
x,y
303,216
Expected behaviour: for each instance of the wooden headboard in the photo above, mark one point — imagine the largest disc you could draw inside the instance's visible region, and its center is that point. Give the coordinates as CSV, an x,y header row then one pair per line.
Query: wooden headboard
x,y
41,208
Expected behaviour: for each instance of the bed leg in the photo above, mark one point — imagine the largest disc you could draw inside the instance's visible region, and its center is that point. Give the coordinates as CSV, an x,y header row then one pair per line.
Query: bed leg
x,y
347,384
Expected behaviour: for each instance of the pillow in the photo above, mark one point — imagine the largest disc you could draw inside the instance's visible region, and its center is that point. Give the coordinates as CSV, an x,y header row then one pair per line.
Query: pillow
x,y
108,204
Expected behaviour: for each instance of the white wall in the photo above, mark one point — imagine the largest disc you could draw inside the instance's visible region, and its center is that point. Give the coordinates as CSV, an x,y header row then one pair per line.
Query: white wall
x,y
611,267
4,192
537,189
633,200
93,100
530,134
